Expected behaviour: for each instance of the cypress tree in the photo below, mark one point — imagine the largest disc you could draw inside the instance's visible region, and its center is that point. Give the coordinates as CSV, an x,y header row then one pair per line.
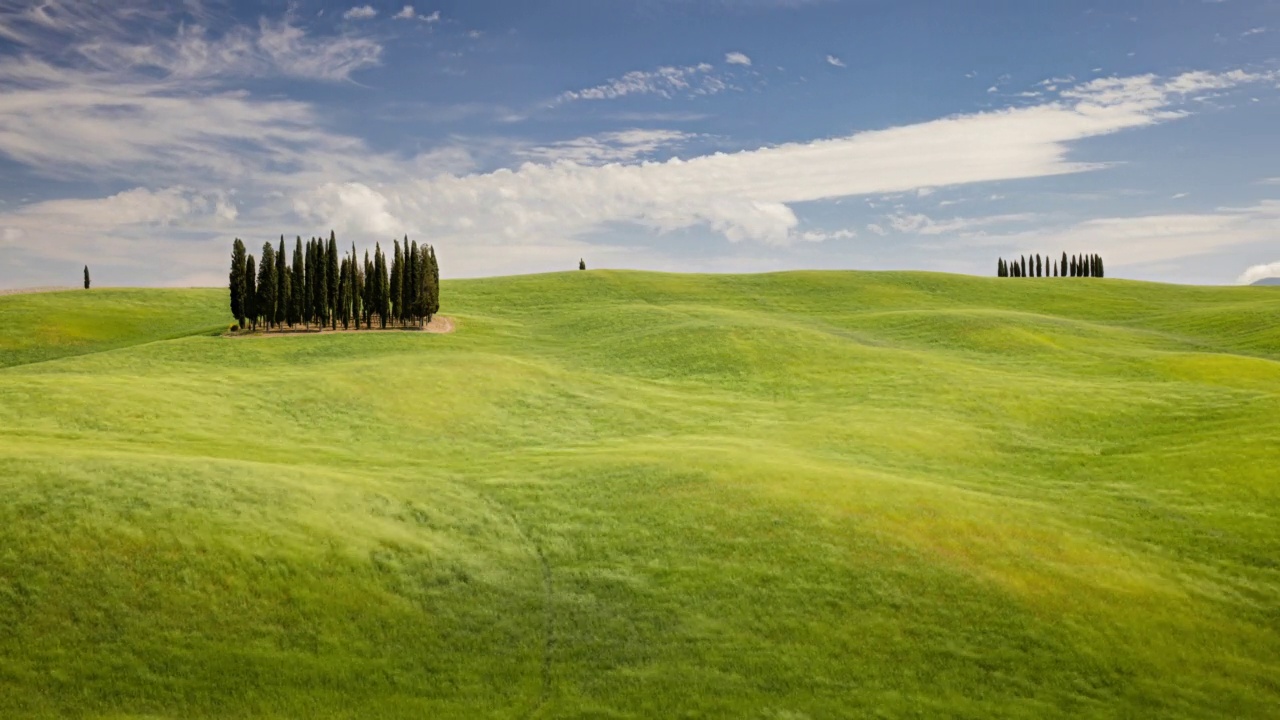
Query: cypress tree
x,y
366,296
86,277
1038,272
999,267
344,292
267,285
235,281
1101,270
433,270
250,292
582,264
1024,266
397,282
378,285
333,279
298,309
1055,268
1073,266
413,288
282,284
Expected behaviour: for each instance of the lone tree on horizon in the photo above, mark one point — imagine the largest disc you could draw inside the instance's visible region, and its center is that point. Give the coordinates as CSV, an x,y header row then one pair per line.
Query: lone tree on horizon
x,y
582,264
86,277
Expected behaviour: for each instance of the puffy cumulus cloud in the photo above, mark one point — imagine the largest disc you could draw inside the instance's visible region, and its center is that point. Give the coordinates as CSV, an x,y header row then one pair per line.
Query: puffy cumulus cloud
x,y
361,12
737,58
1259,272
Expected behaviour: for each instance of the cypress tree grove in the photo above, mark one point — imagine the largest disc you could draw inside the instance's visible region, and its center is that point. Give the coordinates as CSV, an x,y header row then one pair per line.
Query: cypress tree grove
x,y
236,281
250,293
333,279
267,285
282,284
297,309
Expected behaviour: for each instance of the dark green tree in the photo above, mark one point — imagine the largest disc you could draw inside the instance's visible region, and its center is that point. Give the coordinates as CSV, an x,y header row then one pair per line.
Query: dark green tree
x,y
1101,270
267,285
250,292
86,277
333,279
433,291
282,284
412,284
1062,266
582,264
1038,269
298,306
235,280
367,295
397,283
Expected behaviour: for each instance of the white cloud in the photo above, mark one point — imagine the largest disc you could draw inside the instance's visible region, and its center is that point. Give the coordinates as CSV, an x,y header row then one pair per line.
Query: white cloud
x,y
611,147
835,61
432,18
1179,196
406,13
362,12
1259,272
921,224
665,82
877,229
272,49
737,58
1253,31
824,235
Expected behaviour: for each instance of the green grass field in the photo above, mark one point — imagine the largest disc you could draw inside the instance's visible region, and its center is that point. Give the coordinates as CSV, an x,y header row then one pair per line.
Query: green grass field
x,y
635,495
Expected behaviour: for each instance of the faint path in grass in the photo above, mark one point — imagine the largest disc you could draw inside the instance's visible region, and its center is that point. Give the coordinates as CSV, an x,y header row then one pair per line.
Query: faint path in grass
x,y
549,639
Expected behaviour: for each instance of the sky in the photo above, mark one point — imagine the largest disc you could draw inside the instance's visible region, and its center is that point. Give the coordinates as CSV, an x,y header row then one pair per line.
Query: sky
x,y
140,137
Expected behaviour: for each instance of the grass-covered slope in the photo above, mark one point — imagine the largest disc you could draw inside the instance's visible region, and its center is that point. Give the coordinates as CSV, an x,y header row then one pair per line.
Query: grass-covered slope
x,y
44,326
615,494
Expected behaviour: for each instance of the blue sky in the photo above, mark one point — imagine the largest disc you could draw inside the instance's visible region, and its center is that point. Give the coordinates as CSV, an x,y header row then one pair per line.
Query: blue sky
x,y
695,135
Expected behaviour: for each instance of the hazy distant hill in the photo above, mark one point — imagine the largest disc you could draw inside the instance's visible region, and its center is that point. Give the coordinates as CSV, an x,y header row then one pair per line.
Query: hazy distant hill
x,y
1269,281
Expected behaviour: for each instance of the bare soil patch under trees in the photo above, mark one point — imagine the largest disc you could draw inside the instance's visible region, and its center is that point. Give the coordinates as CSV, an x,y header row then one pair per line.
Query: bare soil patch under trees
x,y
439,324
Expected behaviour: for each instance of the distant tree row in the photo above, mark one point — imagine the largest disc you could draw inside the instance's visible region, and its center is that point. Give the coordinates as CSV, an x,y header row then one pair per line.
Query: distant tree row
x,y
1043,266
322,289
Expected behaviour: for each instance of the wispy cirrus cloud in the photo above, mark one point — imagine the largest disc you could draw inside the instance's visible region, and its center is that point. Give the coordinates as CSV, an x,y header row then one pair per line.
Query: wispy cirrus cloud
x,y
611,147
737,58
666,82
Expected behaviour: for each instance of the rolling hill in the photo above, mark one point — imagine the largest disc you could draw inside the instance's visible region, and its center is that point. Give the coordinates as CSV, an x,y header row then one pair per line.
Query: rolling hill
x,y
621,494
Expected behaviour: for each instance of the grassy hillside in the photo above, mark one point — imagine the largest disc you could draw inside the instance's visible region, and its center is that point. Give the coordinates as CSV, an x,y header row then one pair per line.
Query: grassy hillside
x,y
617,494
